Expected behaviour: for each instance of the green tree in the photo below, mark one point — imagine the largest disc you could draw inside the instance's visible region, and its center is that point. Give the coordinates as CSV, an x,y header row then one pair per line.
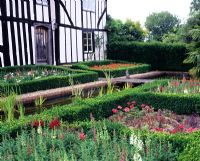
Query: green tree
x,y
128,31
192,37
161,23
195,6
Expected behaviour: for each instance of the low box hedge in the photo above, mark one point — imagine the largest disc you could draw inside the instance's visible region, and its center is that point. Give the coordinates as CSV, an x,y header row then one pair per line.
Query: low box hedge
x,y
101,107
161,56
49,82
140,68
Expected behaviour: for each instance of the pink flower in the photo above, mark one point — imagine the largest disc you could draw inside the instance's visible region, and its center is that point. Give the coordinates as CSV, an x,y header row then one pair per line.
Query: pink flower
x,y
176,83
128,103
126,109
181,126
143,105
131,106
134,102
119,107
82,136
191,129
114,111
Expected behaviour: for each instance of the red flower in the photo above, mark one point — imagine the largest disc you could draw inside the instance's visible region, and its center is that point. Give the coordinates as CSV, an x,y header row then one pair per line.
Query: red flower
x,y
54,123
114,111
36,123
143,105
131,106
159,129
174,131
126,109
134,102
181,126
82,136
119,107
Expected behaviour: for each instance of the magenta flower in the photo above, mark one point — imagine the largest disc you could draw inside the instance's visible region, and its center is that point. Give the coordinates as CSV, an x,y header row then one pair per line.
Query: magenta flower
x,y
82,136
114,111
143,105
131,107
126,109
119,107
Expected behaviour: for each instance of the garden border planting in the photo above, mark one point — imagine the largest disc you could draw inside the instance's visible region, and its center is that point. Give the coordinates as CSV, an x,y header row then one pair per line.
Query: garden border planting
x,y
101,107
141,68
48,82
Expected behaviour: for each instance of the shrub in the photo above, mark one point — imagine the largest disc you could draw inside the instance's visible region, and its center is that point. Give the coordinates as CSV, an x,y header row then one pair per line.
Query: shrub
x,y
48,82
160,56
140,68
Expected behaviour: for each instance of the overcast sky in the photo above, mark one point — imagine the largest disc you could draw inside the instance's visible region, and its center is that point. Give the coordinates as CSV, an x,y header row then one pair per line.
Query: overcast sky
x,y
138,10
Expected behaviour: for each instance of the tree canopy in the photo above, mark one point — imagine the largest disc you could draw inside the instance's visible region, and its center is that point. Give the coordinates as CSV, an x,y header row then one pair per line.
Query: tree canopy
x,y
119,31
160,24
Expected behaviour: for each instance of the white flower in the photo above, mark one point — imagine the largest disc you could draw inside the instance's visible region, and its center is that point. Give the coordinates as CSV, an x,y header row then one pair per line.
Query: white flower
x,y
39,130
134,140
137,157
185,91
37,77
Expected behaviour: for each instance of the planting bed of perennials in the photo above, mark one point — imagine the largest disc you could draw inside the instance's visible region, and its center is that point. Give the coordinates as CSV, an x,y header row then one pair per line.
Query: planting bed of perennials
x,y
30,78
114,68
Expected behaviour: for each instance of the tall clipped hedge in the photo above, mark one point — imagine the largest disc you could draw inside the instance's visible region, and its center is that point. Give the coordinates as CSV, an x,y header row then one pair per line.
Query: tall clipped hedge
x,y
160,56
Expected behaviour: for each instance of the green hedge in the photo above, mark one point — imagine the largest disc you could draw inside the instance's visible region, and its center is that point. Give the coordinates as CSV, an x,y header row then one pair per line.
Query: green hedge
x,y
160,56
141,68
101,107
49,82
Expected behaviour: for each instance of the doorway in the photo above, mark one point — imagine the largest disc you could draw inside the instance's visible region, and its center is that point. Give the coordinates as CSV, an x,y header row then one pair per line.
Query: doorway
x,y
43,44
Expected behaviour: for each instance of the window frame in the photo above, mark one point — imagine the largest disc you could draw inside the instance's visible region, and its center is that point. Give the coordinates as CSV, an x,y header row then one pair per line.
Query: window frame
x,y
87,38
42,3
89,10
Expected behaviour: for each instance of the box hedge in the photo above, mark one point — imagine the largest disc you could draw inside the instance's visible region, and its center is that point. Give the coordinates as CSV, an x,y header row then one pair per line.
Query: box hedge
x,y
48,82
140,68
160,56
101,107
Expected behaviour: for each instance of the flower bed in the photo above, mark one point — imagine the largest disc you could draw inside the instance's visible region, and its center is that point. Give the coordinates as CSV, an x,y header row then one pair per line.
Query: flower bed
x,y
31,78
88,141
144,117
112,66
191,86
115,68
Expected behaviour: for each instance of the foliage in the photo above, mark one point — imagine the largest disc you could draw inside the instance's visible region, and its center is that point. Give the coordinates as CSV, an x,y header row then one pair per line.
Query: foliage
x,y
145,117
96,141
160,56
7,104
101,106
136,68
161,23
193,37
41,84
128,31
191,86
195,6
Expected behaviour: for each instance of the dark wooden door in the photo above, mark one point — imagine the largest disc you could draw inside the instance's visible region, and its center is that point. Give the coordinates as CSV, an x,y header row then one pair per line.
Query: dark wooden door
x,y
42,56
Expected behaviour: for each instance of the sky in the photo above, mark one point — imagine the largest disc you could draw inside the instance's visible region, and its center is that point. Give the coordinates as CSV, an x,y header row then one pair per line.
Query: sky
x,y
138,10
